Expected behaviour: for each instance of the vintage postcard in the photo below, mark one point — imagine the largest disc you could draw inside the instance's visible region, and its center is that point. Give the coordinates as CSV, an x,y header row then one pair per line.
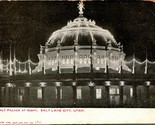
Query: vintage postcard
x,y
81,62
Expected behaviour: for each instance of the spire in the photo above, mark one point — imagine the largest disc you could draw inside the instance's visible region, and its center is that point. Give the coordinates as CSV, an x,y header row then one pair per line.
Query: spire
x,y
81,7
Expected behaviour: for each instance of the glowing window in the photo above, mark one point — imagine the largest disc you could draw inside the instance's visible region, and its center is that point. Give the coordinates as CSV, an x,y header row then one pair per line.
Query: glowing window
x,y
67,61
85,61
98,93
52,62
20,94
39,93
20,98
71,60
63,61
98,61
89,61
131,92
79,93
97,68
114,90
61,93
117,91
80,60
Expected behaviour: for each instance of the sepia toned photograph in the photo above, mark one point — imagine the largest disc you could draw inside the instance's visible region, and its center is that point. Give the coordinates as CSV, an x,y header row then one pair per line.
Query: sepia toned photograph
x,y
77,54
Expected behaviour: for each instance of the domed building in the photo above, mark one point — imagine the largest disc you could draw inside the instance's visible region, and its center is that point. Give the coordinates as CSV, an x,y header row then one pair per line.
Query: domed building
x,y
81,47
81,65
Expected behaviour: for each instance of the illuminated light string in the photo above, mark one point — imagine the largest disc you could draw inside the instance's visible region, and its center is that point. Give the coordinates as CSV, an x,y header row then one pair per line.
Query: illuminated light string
x,y
140,62
108,60
13,66
131,61
99,61
151,62
128,62
28,61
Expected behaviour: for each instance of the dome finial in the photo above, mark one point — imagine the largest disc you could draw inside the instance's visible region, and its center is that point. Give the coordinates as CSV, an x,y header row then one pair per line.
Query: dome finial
x,y
81,7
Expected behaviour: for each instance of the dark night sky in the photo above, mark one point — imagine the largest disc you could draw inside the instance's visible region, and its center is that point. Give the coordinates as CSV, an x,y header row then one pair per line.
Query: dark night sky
x,y
29,24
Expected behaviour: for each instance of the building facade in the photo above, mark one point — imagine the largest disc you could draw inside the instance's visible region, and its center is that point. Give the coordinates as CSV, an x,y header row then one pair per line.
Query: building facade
x,y
81,65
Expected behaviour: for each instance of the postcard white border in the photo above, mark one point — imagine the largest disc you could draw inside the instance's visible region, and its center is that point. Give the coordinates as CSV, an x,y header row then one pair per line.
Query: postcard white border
x,y
76,115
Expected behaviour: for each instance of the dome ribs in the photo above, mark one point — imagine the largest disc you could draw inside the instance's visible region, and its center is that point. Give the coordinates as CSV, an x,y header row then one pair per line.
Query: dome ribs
x,y
62,39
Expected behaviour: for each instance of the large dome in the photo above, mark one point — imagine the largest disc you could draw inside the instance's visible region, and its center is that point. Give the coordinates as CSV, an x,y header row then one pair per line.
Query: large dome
x,y
82,30
81,47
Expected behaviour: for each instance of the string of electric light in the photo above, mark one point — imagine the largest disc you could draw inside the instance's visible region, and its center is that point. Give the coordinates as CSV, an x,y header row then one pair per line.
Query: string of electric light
x,y
27,65
145,61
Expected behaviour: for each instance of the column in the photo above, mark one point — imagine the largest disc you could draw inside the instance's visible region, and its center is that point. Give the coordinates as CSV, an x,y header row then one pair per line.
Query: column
x,y
134,95
42,54
1,96
75,56
107,71
10,95
5,96
14,95
27,94
43,87
107,88
58,51
92,93
121,69
147,89
121,86
74,86
58,94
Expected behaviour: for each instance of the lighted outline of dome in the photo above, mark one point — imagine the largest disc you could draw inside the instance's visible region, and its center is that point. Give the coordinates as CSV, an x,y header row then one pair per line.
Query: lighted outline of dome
x,y
81,25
